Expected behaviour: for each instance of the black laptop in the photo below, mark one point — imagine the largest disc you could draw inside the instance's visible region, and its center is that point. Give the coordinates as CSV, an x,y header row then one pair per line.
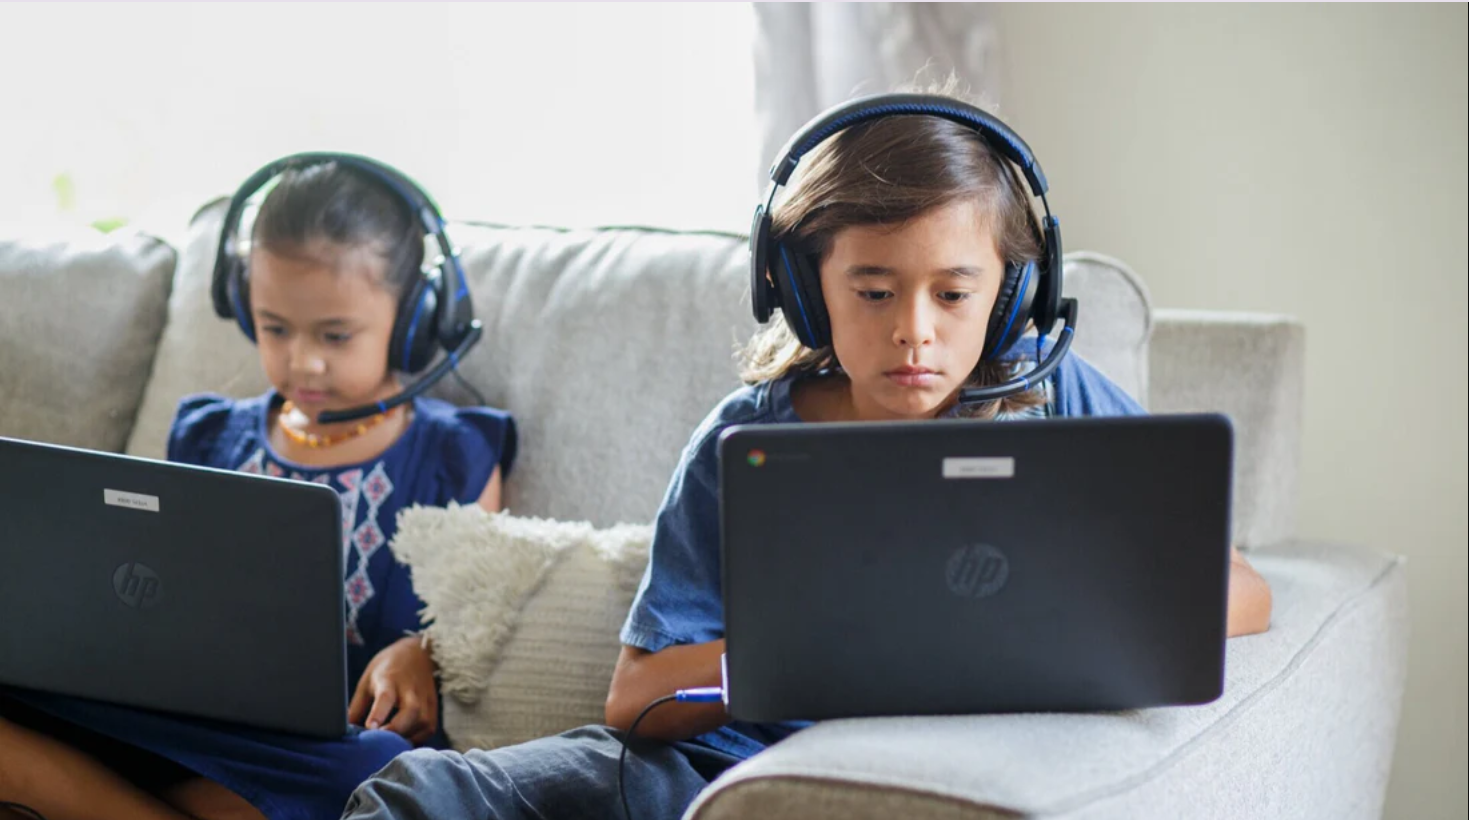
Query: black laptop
x,y
959,567
175,588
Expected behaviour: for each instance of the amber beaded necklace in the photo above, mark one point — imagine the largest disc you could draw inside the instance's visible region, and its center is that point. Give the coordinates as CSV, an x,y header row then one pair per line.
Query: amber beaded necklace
x,y
316,441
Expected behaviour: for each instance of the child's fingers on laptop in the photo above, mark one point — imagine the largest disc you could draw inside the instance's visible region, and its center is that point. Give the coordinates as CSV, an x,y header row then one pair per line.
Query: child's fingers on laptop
x,y
428,722
361,702
408,722
384,698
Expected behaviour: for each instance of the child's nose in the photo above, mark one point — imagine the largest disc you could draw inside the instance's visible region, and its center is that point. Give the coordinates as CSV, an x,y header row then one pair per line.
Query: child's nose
x,y
915,324
312,366
305,359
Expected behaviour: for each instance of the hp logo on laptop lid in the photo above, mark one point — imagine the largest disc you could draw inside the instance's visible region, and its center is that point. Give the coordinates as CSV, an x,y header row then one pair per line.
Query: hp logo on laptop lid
x,y
977,571
137,585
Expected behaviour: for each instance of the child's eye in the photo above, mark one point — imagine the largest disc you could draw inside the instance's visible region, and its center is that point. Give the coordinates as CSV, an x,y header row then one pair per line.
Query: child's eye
x,y
873,295
337,338
273,330
954,297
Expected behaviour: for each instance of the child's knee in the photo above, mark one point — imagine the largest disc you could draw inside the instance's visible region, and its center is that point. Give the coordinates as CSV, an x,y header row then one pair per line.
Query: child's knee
x,y
410,765
414,778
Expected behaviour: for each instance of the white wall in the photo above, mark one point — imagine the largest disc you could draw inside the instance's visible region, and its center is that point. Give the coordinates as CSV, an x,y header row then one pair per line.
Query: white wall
x,y
154,109
1308,160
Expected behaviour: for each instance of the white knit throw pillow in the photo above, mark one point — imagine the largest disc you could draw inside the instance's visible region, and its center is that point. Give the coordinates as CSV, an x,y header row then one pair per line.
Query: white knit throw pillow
x,y
523,615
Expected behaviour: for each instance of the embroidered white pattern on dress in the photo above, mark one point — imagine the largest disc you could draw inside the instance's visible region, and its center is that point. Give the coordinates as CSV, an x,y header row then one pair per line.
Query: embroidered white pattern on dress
x,y
366,538
253,464
351,481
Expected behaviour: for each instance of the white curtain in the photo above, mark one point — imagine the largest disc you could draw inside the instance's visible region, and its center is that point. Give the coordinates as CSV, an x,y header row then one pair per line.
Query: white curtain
x,y
809,57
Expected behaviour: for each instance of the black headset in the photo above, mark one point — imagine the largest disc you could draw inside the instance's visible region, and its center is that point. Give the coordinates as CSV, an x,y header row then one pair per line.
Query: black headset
x,y
435,311
788,278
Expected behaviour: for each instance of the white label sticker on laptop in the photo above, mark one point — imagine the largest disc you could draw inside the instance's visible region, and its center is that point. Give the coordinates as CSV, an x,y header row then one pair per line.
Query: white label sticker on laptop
x,y
998,467
133,501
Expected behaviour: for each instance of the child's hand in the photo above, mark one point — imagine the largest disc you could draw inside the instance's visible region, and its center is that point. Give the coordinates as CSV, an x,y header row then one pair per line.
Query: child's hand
x,y
401,678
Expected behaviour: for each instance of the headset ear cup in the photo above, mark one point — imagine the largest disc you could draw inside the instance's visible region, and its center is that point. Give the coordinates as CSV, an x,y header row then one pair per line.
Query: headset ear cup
x,y
455,308
1012,309
238,283
763,297
793,300
808,279
426,345
415,331
1049,290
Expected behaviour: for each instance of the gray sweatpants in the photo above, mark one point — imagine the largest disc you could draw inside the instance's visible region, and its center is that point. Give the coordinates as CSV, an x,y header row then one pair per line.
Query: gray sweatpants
x,y
572,775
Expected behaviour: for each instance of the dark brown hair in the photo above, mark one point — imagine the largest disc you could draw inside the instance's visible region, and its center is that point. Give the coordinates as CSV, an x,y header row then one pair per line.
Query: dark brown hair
x,y
346,206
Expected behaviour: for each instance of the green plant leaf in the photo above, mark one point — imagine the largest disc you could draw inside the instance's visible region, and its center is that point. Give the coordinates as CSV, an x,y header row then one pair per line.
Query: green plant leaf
x,y
66,192
110,225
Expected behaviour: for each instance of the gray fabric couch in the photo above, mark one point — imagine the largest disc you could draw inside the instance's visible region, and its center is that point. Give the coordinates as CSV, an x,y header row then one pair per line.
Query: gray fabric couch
x,y
611,345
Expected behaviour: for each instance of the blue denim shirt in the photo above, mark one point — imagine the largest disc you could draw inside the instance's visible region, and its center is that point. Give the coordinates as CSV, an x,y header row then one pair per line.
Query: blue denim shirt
x,y
679,600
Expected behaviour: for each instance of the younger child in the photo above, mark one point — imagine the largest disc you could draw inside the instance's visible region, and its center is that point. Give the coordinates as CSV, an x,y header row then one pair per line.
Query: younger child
x,y
337,300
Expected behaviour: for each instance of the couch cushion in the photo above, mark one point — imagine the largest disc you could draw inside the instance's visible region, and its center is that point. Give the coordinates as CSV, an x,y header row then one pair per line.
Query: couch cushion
x,y
198,351
1114,321
80,319
1251,368
609,346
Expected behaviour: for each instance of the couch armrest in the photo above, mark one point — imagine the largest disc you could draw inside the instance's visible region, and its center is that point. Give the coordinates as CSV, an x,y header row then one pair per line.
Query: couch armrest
x,y
1305,729
1249,367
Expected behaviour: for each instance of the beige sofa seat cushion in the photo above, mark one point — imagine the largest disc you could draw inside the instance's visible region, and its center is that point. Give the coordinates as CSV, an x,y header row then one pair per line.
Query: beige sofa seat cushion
x,y
80,319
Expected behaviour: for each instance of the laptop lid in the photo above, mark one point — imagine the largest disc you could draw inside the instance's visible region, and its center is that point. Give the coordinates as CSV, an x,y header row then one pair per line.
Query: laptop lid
x,y
944,567
172,587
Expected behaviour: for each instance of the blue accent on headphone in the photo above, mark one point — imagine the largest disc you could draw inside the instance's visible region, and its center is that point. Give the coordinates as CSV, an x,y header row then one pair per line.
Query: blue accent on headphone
x,y
412,330
1019,291
785,259
240,318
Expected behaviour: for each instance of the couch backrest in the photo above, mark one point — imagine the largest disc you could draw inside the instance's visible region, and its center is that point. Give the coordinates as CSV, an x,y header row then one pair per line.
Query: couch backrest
x,y
609,346
80,319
